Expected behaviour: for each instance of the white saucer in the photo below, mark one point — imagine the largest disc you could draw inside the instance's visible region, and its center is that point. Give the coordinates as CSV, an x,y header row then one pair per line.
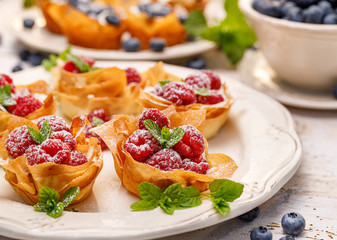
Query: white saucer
x,y
256,72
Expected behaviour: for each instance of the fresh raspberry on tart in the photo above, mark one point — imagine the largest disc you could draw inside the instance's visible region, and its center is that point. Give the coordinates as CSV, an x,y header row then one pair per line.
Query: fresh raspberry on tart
x,y
64,137
197,165
6,80
70,66
98,113
215,79
55,122
155,115
165,160
76,158
25,105
179,93
18,141
198,80
132,76
214,98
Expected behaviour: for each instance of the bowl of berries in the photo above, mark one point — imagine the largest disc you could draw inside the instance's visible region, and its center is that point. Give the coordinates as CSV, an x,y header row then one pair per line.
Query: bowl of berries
x,y
298,38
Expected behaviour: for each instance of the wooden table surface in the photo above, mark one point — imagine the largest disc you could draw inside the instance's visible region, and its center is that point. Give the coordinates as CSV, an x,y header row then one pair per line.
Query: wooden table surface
x,y
311,192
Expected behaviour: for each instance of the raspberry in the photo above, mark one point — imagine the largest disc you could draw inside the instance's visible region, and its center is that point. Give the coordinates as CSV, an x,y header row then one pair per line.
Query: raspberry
x,y
179,93
198,80
58,151
89,134
90,61
65,137
18,141
4,80
192,144
76,158
155,115
71,67
141,144
25,105
35,155
56,123
215,98
165,160
99,113
132,76
215,79
197,165
157,90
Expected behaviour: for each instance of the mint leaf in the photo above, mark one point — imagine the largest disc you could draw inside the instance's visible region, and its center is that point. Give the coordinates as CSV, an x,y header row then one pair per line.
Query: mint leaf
x,y
226,189
45,130
176,135
46,193
42,207
221,205
63,55
70,195
6,96
57,210
97,121
48,64
29,3
202,91
142,206
164,82
80,64
149,193
173,191
35,135
154,129
167,205
196,23
190,197
165,133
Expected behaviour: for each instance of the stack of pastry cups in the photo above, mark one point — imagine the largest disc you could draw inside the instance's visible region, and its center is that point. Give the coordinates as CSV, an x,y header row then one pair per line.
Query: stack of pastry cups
x,y
26,180
132,173
216,114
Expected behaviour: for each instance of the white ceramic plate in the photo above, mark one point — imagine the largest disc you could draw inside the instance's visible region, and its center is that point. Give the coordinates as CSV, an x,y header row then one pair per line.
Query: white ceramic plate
x,y
256,72
259,135
41,39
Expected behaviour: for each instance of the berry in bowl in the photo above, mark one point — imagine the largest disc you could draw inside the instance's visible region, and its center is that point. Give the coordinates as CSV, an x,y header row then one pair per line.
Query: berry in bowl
x,y
297,40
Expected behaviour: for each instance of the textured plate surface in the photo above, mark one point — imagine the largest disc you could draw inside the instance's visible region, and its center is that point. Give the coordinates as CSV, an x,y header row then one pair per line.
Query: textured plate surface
x,y
259,136
256,72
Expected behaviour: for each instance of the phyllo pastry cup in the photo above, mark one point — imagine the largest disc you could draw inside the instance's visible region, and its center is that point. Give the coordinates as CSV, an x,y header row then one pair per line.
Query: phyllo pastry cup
x,y
51,24
26,180
102,88
216,114
131,172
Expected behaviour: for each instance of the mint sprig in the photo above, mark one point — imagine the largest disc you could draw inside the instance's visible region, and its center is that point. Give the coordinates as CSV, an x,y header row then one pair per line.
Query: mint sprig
x,y
97,121
233,34
6,96
80,64
164,82
202,91
175,197
49,201
48,64
166,137
42,135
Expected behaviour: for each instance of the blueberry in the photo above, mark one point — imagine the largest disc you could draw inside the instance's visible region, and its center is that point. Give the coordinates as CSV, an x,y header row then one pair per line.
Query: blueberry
x,y
95,9
313,14
304,3
293,223
113,20
157,10
24,55
267,7
17,68
261,233
182,18
334,91
28,23
286,7
251,215
287,238
326,6
295,14
35,59
196,63
157,44
131,45
143,6
330,19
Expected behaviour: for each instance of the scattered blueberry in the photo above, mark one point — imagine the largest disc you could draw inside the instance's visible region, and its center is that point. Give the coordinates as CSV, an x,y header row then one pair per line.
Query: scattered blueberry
x,y
157,44
334,91
157,10
313,14
35,59
24,55
131,45
113,20
287,238
293,223
261,233
331,18
196,63
17,68
251,215
270,8
28,23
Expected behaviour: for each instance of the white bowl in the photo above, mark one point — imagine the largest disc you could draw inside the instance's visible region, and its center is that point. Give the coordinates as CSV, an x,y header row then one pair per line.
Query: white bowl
x,y
302,54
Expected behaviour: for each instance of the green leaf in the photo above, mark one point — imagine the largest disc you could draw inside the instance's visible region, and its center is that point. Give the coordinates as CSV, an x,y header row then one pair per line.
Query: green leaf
x,y
165,133
149,193
70,195
80,64
49,63
42,207
196,23
6,96
176,135
154,129
164,82
202,91
190,197
63,55
29,3
173,191
167,205
57,210
45,130
35,135
142,206
226,189
221,205
97,121
46,193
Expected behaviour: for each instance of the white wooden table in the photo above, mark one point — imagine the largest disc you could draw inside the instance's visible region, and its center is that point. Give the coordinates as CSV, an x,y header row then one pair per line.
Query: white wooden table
x,y
311,192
